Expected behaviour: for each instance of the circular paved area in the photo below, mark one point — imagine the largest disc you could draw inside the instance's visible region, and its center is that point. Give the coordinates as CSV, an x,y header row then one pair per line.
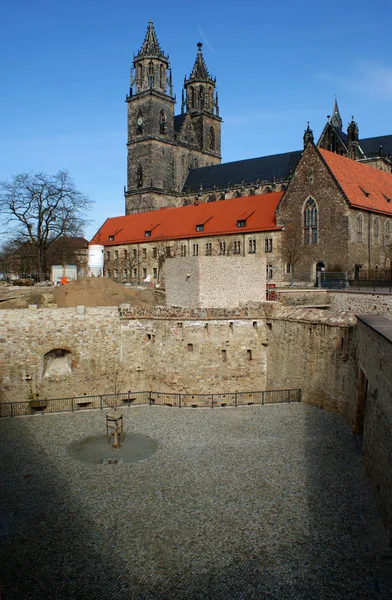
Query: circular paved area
x,y
251,503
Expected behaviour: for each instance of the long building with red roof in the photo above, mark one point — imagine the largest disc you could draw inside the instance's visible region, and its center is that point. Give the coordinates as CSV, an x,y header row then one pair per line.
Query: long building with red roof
x,y
136,245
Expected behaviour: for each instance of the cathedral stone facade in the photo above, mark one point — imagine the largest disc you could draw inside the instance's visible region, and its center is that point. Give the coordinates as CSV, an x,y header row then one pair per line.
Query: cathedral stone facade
x,y
162,146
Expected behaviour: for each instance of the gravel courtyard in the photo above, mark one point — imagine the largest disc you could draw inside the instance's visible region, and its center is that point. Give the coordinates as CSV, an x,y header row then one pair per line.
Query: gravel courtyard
x,y
266,502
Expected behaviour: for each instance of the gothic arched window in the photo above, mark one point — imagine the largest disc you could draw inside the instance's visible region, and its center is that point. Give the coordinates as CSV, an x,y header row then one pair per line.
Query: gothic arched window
x,y
139,73
162,76
360,228
310,222
139,122
151,73
192,97
212,138
376,231
387,232
162,122
139,177
201,97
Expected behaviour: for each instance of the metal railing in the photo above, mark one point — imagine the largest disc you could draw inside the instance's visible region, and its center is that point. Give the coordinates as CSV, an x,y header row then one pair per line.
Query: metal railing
x,y
127,399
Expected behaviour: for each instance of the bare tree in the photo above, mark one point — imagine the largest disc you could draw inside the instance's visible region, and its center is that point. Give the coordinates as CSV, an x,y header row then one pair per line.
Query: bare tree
x,y
39,209
163,250
292,247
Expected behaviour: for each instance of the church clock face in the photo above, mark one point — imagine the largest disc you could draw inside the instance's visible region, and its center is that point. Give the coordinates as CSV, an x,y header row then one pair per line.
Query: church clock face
x,y
140,121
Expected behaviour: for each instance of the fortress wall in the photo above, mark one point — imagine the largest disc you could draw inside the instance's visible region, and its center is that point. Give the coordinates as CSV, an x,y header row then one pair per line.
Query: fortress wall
x,y
110,352
316,354
362,302
374,360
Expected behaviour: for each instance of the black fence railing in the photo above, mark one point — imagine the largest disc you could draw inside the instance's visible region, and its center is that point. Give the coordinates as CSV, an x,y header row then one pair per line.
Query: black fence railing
x,y
58,405
370,285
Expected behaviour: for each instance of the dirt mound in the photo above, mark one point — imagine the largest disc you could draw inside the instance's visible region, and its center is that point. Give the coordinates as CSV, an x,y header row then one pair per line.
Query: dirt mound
x,y
42,300
101,291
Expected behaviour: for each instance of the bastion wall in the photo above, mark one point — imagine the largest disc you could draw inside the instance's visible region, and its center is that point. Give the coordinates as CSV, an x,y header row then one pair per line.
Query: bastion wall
x,y
175,350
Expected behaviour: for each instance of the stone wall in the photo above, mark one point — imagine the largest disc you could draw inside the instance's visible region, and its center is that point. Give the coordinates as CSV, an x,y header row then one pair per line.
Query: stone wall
x,y
360,302
217,281
313,350
169,349
109,351
374,362
356,302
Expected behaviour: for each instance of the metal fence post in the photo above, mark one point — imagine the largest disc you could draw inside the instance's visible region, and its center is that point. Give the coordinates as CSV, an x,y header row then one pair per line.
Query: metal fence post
x,y
179,400
262,398
235,399
212,400
12,411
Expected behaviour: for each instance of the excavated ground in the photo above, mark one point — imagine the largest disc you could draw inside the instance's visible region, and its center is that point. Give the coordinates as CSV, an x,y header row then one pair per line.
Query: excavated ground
x,y
87,291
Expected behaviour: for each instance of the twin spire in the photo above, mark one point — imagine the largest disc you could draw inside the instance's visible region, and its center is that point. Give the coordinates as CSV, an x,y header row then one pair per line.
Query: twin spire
x,y
151,48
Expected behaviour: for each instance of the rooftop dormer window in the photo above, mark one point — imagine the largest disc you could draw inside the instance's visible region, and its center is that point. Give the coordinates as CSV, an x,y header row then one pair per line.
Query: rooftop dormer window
x,y
147,233
111,238
200,227
241,223
367,194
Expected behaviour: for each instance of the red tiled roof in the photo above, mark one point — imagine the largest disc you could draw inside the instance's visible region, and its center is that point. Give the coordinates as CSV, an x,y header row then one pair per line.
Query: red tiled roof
x,y
364,186
218,218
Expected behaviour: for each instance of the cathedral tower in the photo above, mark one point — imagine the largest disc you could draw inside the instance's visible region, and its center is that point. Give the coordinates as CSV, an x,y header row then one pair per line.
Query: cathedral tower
x,y
150,176
162,148
201,104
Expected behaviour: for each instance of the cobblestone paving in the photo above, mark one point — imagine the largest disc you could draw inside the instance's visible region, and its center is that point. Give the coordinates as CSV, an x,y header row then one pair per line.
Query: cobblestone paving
x,y
251,503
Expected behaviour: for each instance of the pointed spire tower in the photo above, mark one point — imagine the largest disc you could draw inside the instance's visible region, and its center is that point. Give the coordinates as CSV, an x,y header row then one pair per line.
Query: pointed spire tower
x,y
308,136
150,180
201,103
336,120
150,65
200,87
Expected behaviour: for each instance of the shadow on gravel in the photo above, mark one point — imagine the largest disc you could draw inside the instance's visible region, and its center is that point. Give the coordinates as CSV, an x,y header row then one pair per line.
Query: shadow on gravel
x,y
343,543
315,535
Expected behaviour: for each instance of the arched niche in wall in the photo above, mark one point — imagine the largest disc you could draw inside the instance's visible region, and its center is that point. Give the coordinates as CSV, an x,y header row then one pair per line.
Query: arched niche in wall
x,y
57,363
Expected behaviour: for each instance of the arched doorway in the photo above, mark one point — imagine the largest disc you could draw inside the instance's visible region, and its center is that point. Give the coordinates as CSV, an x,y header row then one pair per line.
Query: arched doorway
x,y
318,268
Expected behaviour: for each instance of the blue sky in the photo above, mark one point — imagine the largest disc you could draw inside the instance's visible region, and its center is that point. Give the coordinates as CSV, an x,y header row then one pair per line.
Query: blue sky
x,y
64,73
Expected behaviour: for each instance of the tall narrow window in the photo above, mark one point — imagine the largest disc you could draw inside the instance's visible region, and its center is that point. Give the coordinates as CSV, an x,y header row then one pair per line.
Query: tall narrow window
x,y
310,222
162,77
201,97
387,232
139,74
252,246
376,231
151,74
212,138
208,249
192,97
195,249
222,248
139,177
162,122
360,228
139,122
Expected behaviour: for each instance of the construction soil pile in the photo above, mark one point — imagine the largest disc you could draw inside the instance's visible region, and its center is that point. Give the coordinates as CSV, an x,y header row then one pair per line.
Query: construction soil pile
x,y
87,291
